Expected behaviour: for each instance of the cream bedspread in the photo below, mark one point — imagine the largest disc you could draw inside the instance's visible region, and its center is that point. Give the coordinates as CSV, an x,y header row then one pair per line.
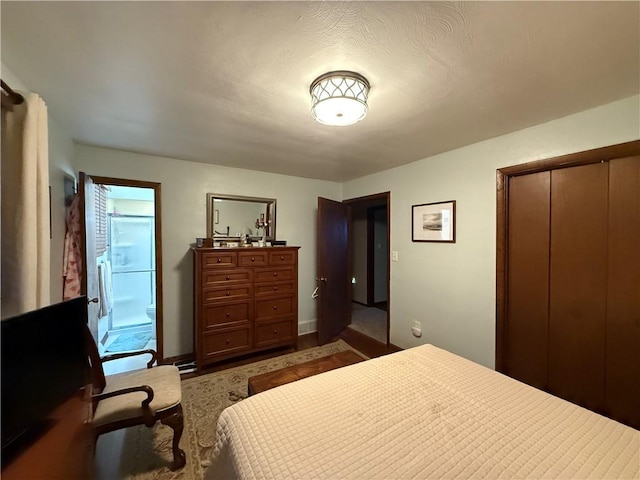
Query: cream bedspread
x,y
420,413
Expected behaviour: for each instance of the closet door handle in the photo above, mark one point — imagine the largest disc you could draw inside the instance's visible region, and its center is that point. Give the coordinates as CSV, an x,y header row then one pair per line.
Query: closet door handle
x,y
92,300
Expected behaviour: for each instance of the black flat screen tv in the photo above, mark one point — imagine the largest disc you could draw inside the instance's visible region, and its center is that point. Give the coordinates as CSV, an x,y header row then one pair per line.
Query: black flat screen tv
x,y
44,363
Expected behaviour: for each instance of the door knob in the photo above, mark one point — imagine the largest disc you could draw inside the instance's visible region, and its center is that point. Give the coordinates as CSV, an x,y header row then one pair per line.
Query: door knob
x,y
323,279
92,300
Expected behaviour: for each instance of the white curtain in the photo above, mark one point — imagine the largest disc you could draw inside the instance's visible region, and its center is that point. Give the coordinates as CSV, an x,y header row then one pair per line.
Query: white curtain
x,y
25,207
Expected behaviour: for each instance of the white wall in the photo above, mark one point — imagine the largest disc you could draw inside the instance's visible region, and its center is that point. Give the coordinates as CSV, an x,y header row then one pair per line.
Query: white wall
x,y
184,196
450,288
60,161
61,153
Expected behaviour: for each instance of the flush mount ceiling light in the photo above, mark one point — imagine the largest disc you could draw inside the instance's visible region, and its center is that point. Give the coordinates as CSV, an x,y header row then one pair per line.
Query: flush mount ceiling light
x,y
339,98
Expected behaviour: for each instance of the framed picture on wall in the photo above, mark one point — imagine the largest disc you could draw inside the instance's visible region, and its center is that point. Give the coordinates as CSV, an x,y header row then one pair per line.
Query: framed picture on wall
x,y
434,222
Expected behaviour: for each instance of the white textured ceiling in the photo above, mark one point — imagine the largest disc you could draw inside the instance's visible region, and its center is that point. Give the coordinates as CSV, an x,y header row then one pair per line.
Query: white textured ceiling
x,y
227,82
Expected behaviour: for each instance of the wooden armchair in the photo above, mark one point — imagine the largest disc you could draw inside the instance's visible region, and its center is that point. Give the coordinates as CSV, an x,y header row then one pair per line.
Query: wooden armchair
x,y
137,397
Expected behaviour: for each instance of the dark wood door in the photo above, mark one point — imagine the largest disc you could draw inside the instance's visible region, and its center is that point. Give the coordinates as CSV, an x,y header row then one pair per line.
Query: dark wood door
x,y
568,278
528,278
622,350
89,282
332,269
578,283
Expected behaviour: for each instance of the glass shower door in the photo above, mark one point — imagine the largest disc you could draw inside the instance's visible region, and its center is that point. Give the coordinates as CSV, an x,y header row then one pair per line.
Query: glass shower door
x,y
132,256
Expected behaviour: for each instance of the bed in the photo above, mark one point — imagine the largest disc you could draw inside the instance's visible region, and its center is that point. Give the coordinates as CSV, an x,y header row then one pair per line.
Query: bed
x,y
419,413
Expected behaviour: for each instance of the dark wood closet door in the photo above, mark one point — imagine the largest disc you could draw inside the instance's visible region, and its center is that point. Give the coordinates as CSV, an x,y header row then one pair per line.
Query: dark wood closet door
x,y
528,279
592,355
622,374
578,283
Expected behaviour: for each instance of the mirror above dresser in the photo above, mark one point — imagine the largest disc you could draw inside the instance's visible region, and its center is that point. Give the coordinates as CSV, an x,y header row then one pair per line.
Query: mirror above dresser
x,y
232,217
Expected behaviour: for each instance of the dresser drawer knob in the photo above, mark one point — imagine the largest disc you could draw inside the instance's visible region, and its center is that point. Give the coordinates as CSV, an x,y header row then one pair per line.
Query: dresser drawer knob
x,y
228,314
275,274
228,341
253,259
275,288
228,293
281,257
275,331
275,307
219,260
228,277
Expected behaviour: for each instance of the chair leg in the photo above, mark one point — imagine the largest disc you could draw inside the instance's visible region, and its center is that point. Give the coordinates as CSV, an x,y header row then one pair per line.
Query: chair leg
x,y
176,422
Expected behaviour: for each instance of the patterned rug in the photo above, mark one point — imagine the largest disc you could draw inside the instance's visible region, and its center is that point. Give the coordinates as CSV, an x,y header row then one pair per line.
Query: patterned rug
x,y
146,453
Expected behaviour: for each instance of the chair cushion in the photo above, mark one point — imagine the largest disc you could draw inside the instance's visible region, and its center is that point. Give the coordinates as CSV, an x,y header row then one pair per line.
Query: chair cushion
x,y
164,380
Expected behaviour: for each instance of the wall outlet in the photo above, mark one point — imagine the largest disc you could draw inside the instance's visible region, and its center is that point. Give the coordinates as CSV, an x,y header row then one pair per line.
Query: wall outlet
x,y
394,256
416,330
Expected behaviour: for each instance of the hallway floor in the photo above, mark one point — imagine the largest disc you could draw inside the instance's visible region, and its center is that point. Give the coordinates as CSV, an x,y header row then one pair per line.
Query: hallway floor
x,y
370,321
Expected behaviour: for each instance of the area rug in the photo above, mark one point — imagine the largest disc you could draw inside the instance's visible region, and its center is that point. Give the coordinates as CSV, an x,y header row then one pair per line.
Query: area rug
x,y
129,342
146,453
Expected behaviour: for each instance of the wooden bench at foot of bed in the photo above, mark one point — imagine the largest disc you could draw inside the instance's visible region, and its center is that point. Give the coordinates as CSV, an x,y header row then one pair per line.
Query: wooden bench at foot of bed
x,y
268,380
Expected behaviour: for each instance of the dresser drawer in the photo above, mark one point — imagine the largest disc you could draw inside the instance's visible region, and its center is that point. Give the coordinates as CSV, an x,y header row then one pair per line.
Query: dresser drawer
x,y
220,315
286,257
274,307
227,293
273,274
219,259
215,277
274,333
222,343
274,288
253,258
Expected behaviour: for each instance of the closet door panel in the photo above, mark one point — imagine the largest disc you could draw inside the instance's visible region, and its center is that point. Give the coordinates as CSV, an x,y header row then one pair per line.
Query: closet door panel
x,y
578,283
528,278
622,379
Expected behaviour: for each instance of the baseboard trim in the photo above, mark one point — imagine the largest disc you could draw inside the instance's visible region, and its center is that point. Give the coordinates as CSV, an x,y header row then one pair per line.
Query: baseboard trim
x,y
308,326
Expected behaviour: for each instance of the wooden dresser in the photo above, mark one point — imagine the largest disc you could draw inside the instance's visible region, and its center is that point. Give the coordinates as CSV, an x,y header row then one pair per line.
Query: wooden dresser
x,y
246,300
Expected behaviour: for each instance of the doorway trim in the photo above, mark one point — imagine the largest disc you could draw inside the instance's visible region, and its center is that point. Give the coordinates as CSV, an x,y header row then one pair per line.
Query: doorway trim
x,y
157,195
503,176
376,198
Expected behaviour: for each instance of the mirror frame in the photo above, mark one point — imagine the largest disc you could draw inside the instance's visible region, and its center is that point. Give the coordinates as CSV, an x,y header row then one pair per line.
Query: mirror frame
x,y
270,215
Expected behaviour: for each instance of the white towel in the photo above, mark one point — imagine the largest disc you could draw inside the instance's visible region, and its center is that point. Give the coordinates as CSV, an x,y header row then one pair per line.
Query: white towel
x,y
106,293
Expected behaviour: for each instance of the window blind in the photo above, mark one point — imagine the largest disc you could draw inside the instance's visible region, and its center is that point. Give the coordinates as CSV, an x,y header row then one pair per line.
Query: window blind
x,y
101,219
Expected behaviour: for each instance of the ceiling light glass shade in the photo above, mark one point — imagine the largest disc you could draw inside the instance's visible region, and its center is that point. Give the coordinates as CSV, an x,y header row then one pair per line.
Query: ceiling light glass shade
x,y
339,98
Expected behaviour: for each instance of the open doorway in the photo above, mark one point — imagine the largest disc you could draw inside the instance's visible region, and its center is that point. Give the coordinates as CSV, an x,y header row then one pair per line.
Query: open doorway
x,y
352,261
369,245
128,264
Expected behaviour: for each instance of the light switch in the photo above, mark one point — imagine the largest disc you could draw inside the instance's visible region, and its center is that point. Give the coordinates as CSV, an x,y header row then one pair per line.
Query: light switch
x,y
394,256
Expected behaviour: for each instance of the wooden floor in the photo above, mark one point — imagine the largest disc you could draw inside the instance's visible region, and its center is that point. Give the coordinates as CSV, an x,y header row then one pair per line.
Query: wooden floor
x,y
110,445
